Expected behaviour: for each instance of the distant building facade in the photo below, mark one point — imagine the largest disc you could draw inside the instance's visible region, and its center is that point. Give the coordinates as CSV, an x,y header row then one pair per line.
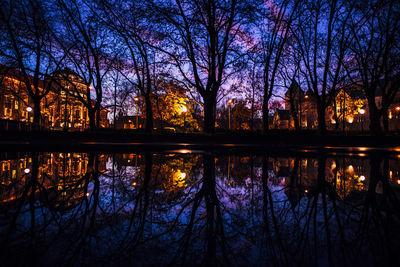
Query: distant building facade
x,y
348,111
59,110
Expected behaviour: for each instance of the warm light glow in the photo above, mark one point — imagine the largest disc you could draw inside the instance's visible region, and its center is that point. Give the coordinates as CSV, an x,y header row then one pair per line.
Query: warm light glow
x,y
398,108
333,121
362,111
183,109
350,120
29,109
134,183
390,115
362,178
184,151
333,165
306,96
306,191
136,99
27,170
398,181
390,174
350,168
230,101
87,194
182,175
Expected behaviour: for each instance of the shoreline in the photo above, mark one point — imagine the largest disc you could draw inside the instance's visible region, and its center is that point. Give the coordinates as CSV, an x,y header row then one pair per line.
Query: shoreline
x,y
109,140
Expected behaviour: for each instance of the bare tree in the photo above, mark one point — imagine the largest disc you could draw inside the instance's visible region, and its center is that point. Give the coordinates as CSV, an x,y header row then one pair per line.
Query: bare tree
x,y
90,57
27,45
130,23
322,39
376,52
202,40
276,21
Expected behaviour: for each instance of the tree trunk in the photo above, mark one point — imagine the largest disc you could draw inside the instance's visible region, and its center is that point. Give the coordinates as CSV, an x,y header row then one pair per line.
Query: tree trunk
x,y
265,112
92,119
321,119
209,114
98,118
375,125
385,119
149,115
36,114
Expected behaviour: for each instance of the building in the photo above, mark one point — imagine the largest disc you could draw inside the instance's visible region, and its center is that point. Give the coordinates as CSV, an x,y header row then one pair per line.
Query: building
x,y
59,110
348,111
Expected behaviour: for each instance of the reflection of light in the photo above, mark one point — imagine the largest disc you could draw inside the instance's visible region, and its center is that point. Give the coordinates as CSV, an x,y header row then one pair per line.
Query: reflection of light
x,y
362,178
29,109
27,170
363,148
183,175
350,168
390,115
184,151
390,174
333,165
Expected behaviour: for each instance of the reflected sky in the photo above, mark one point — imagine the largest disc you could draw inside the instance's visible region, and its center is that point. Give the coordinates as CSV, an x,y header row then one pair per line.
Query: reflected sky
x,y
205,209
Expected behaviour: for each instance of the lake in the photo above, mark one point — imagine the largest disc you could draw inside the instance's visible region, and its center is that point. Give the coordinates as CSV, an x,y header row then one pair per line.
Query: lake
x,y
322,207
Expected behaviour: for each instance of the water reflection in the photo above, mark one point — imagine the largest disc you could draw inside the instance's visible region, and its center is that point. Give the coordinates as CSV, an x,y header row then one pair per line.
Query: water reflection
x,y
199,209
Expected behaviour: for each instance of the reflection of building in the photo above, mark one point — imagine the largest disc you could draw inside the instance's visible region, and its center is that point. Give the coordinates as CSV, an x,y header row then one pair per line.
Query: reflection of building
x,y
59,178
59,110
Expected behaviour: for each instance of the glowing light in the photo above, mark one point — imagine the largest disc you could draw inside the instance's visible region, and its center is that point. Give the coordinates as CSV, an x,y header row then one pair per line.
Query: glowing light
x,y
398,108
306,96
182,175
134,183
183,109
362,178
333,165
350,120
350,168
390,115
230,101
27,170
306,191
390,174
184,151
136,99
87,194
29,109
398,181
333,121
362,111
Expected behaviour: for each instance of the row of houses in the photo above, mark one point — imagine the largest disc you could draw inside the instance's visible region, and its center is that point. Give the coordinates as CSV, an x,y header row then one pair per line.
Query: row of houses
x,y
61,108
349,110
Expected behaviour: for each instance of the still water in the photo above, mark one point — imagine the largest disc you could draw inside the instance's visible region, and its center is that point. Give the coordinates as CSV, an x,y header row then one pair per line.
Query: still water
x,y
200,209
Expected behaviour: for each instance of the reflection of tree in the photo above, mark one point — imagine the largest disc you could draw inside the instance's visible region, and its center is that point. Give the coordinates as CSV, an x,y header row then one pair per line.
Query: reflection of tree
x,y
207,222
43,204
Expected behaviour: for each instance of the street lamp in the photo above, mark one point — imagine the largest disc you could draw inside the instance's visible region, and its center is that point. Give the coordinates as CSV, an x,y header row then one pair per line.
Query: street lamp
x,y
183,110
29,110
362,112
230,101
137,111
